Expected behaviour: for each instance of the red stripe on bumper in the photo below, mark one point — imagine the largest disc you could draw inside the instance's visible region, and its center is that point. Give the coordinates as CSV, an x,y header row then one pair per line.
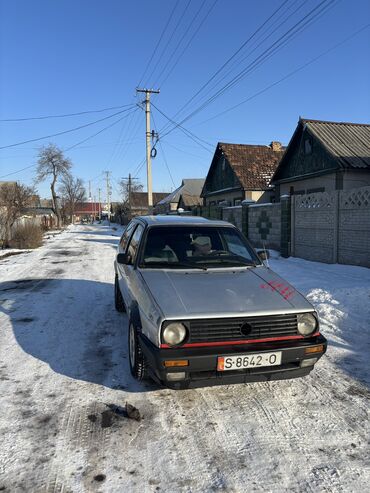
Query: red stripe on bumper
x,y
234,343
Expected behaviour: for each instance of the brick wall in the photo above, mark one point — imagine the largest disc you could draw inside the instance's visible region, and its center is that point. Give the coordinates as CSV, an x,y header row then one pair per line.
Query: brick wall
x,y
264,225
233,215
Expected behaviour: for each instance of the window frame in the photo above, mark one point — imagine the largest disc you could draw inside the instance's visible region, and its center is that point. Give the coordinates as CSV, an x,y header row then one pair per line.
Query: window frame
x,y
138,250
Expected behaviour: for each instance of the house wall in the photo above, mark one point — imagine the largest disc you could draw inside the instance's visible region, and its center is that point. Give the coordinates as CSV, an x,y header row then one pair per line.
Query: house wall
x,y
356,179
328,182
227,195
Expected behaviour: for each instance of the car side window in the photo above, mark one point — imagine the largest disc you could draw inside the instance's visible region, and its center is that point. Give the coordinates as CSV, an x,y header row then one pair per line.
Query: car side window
x,y
134,243
126,235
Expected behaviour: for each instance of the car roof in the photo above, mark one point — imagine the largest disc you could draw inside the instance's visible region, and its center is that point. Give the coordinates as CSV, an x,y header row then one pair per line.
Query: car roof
x,y
172,220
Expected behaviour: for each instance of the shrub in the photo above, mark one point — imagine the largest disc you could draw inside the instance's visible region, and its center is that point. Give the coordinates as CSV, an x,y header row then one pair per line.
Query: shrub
x,y
26,236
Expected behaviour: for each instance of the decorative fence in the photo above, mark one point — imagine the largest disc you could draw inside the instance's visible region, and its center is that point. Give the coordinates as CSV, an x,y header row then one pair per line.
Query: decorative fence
x,y
332,227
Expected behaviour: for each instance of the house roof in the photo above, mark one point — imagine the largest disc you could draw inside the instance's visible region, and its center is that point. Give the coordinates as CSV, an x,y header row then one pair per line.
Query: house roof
x,y
190,187
349,143
253,165
139,200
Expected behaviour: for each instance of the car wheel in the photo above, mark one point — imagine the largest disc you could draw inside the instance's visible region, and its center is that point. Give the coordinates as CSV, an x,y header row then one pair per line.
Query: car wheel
x,y
138,364
118,300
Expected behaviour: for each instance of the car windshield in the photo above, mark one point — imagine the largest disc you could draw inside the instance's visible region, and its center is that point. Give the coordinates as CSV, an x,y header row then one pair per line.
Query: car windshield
x,y
196,247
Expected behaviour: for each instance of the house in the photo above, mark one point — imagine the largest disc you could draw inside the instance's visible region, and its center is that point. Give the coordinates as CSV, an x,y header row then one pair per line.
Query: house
x,y
324,156
139,202
186,196
241,171
87,211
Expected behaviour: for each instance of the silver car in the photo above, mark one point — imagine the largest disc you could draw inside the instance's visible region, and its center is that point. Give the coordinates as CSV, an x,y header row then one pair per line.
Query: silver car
x,y
204,309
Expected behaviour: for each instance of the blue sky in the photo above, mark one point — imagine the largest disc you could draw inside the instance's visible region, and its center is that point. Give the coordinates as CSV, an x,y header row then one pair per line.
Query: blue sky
x,y
69,56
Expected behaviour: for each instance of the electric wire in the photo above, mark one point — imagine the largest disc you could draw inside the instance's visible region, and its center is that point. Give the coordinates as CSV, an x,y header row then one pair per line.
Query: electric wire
x,y
268,52
63,116
290,74
64,131
180,41
187,132
161,83
99,132
181,18
158,43
231,58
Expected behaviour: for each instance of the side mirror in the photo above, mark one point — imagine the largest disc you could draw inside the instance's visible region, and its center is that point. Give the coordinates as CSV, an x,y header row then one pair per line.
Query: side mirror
x,y
263,254
124,258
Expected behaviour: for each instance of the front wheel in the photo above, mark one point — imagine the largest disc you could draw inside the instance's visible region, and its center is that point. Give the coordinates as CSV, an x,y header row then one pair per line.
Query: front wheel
x,y
118,300
138,365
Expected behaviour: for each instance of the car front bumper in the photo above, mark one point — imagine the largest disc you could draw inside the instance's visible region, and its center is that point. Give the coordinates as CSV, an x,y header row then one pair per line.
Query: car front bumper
x,y
201,370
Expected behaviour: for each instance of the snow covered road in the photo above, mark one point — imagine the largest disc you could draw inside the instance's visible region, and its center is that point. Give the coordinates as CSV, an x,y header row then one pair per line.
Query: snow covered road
x,y
64,377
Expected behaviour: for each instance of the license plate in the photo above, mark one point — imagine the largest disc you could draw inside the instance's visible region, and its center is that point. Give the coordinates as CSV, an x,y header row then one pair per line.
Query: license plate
x,y
243,361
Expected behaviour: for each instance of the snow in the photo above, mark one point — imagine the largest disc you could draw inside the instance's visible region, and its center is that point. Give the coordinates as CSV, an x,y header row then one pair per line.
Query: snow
x,y
63,362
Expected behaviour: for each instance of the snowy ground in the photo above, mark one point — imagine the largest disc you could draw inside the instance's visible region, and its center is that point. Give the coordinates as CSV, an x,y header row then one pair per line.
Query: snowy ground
x,y
63,361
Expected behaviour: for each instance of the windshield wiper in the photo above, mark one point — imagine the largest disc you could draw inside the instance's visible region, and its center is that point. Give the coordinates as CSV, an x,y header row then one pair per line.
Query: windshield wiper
x,y
189,265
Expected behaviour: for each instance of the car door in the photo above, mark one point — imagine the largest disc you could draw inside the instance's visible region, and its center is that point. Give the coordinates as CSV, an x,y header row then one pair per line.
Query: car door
x,y
128,271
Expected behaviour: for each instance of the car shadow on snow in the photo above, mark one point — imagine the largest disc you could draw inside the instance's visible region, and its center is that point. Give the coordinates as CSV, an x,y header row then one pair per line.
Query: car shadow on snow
x,y
72,326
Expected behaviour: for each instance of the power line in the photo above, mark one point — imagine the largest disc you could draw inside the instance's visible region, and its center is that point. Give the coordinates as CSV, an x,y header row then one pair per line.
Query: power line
x,y
290,74
71,147
262,57
158,43
64,131
63,116
189,42
187,132
164,157
171,36
100,131
231,58
180,41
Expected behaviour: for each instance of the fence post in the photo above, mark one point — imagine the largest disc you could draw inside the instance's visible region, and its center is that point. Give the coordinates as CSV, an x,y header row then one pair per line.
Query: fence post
x,y
292,226
285,237
336,227
245,217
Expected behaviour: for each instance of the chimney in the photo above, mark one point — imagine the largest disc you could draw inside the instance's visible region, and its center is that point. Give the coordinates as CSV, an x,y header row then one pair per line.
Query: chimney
x,y
275,146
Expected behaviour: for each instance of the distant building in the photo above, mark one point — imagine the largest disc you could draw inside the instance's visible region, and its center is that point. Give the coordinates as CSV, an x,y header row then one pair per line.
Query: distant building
x,y
87,211
324,156
139,202
241,171
186,196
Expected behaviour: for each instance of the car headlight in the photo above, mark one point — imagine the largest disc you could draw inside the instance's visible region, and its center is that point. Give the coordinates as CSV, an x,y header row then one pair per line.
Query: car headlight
x,y
307,323
174,334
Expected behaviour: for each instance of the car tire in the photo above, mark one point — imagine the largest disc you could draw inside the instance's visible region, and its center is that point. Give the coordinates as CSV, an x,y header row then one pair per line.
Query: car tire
x,y
138,365
118,300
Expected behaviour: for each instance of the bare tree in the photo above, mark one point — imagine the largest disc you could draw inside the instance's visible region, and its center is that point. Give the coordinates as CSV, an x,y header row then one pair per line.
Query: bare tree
x,y
72,191
52,163
14,198
127,186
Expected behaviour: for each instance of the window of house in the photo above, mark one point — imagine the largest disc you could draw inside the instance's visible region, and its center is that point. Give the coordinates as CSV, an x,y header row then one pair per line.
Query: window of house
x,y
237,201
308,146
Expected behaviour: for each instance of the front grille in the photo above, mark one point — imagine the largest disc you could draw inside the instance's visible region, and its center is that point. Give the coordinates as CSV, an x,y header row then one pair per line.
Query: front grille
x,y
233,329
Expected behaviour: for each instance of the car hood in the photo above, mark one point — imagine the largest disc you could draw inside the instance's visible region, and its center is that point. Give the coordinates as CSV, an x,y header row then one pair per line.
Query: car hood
x,y
222,292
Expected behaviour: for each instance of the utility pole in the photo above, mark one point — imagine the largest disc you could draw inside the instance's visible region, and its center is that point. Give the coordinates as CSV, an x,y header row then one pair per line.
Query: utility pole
x,y
99,206
108,193
148,92
129,180
89,191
